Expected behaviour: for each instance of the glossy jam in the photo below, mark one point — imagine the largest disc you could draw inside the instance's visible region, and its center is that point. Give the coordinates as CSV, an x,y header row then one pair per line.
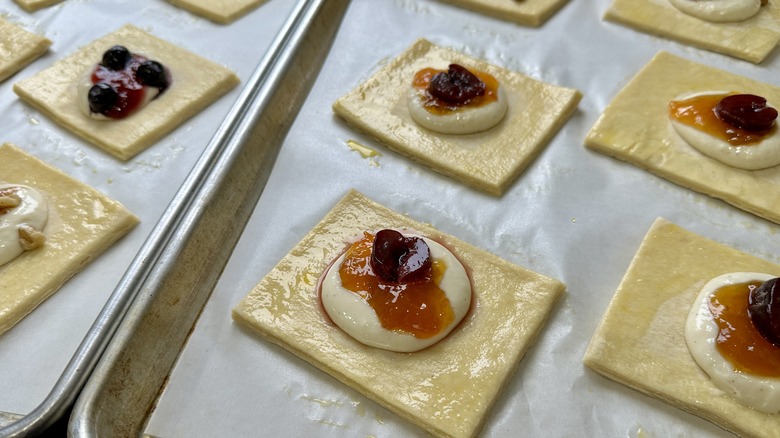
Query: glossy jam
x,y
419,308
130,90
738,340
699,112
423,77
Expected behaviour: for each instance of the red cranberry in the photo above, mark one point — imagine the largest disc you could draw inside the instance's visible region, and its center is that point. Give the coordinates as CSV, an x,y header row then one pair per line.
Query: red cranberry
x,y
116,57
764,310
102,98
396,258
456,86
746,111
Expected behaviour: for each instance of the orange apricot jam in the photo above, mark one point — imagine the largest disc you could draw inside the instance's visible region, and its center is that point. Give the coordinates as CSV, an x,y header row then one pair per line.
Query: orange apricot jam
x,y
699,112
423,78
738,340
420,308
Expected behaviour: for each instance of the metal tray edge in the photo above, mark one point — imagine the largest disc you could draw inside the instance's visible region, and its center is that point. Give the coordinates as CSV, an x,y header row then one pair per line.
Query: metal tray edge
x,y
173,278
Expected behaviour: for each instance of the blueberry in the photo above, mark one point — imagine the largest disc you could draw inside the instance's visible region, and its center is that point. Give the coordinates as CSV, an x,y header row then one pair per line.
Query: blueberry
x,y
116,58
102,98
152,74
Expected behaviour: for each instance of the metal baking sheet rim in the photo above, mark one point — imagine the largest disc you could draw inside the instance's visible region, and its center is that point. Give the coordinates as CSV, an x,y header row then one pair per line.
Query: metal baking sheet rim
x,y
174,277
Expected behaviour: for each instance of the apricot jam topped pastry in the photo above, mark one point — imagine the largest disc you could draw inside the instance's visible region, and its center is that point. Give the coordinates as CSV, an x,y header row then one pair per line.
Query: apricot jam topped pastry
x,y
121,84
735,129
399,292
733,333
693,323
744,29
695,131
144,85
456,100
477,123
337,309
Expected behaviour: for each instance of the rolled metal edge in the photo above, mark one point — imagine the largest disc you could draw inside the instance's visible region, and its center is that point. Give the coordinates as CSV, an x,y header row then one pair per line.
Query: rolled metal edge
x,y
124,360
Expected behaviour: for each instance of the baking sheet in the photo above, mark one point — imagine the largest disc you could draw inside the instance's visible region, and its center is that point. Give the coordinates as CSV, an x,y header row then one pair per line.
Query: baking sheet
x,y
35,352
574,215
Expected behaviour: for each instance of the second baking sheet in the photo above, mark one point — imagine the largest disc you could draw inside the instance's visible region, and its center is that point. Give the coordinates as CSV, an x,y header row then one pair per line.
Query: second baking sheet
x,y
574,215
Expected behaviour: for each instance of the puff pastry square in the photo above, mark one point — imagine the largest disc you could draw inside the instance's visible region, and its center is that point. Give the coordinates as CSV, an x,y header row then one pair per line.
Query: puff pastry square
x,y
751,40
196,83
18,48
82,224
640,341
489,161
218,11
635,127
527,12
446,389
34,5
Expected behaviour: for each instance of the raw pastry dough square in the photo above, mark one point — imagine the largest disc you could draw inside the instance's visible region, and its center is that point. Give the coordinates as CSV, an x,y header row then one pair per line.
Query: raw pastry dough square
x,y
489,160
439,389
635,127
218,11
18,48
528,12
751,40
34,5
196,83
82,224
640,341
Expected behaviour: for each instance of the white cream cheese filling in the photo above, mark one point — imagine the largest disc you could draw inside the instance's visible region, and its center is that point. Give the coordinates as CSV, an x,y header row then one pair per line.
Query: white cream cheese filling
x,y
701,331
466,120
761,155
32,211
350,312
719,11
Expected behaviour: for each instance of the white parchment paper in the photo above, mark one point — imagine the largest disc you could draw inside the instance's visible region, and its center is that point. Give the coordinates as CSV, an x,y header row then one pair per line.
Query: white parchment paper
x,y
574,215
34,353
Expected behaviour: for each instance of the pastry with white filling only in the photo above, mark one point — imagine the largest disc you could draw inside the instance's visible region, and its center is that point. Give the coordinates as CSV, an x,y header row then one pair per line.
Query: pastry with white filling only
x,y
751,39
636,127
195,83
222,12
81,224
447,388
489,160
526,12
640,341
18,48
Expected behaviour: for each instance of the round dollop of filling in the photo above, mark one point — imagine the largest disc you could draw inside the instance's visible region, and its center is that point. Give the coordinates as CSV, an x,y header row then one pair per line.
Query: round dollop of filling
x,y
725,341
456,100
121,84
395,291
23,215
738,130
719,11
